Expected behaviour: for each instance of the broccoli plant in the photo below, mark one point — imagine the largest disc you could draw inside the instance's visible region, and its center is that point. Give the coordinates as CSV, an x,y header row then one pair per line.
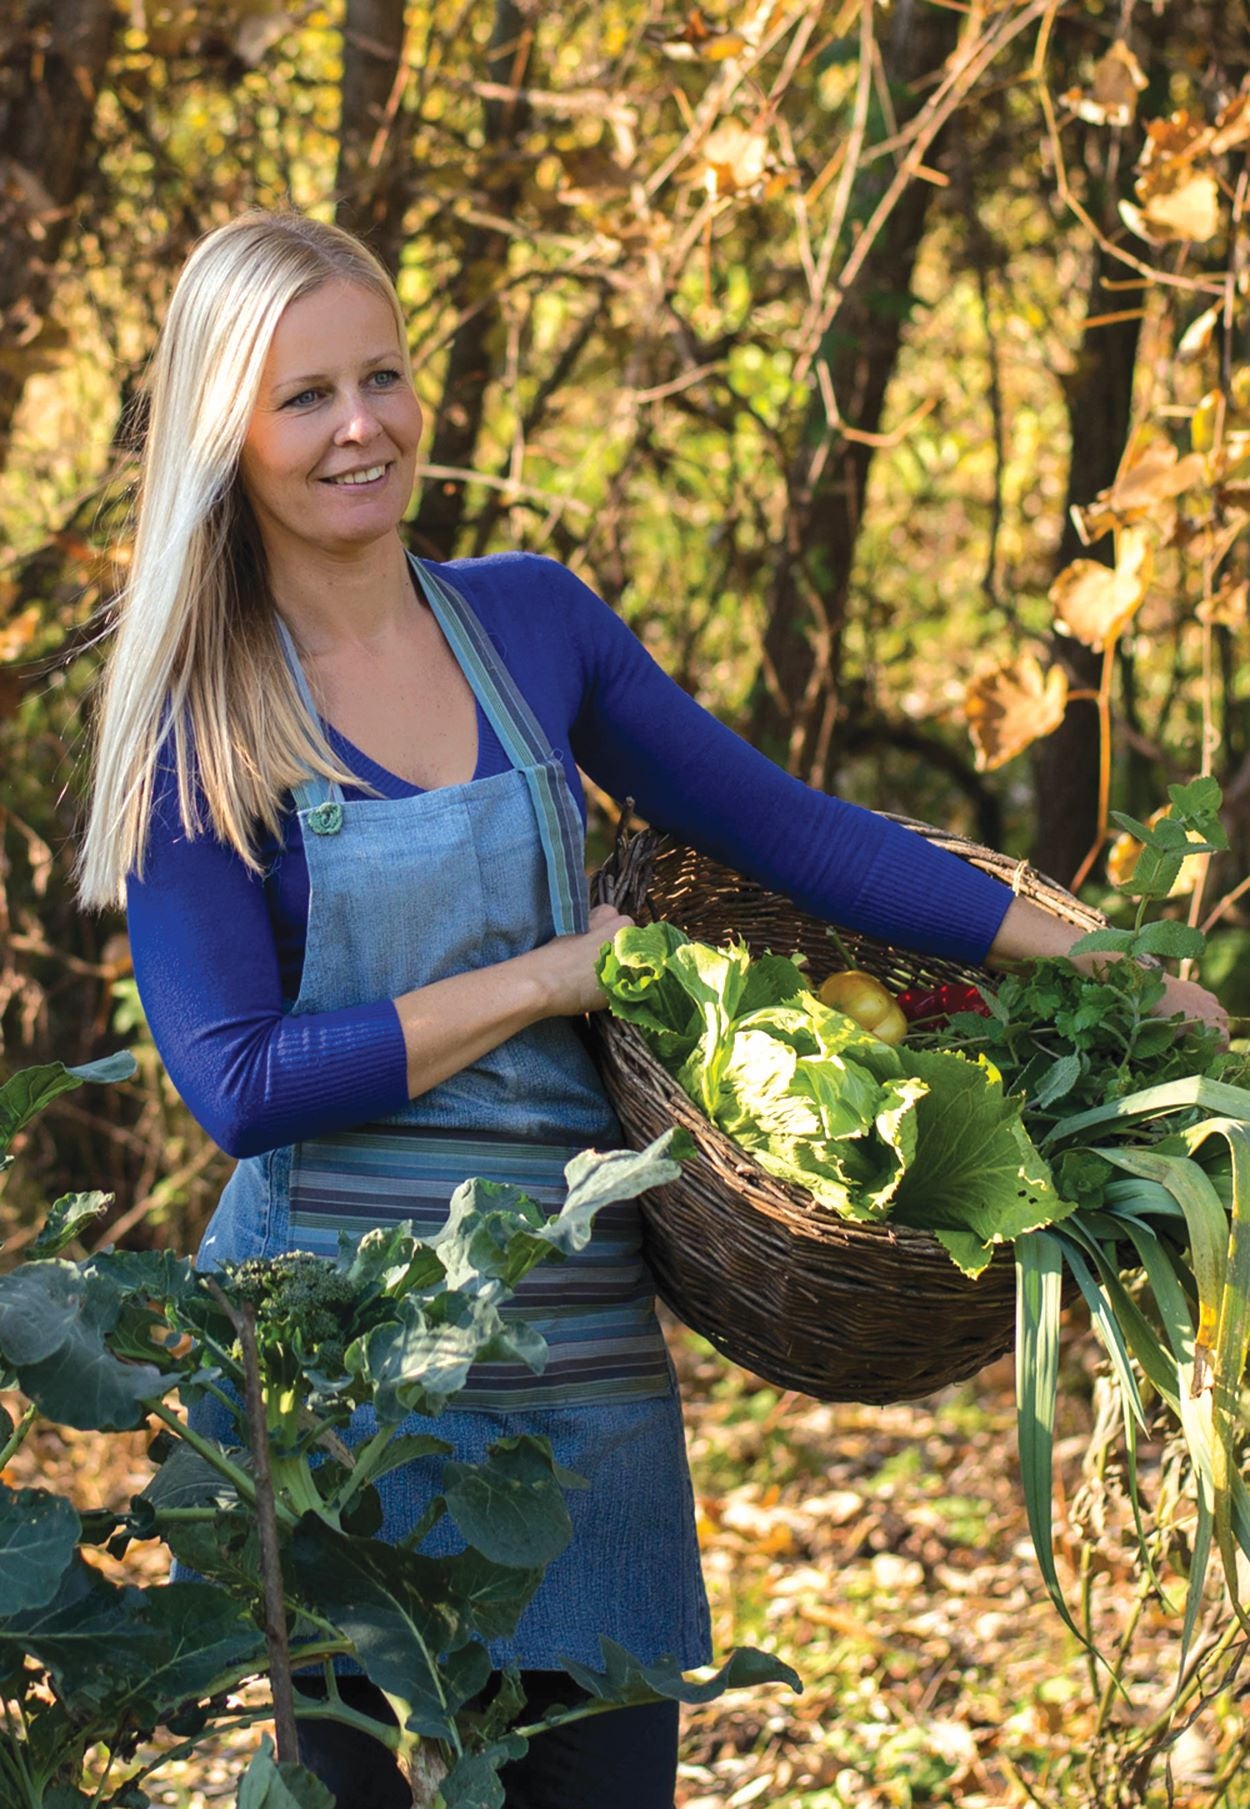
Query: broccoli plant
x,y
92,1671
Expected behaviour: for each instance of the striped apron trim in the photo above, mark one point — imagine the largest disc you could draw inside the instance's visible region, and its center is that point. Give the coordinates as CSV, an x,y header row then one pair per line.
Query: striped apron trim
x,y
595,1310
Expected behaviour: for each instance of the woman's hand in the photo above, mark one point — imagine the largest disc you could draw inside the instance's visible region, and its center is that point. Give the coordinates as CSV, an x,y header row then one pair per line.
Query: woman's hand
x,y
1198,1005
566,965
1028,932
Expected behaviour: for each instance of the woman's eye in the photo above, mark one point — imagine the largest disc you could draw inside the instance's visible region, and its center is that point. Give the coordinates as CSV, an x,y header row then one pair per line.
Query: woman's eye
x,y
305,395
386,378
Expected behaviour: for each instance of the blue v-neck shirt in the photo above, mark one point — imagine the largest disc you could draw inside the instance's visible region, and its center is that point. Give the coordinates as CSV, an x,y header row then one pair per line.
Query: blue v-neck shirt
x,y
218,950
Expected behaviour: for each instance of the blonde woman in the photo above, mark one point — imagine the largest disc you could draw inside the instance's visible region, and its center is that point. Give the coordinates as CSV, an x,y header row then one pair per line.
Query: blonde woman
x,y
339,789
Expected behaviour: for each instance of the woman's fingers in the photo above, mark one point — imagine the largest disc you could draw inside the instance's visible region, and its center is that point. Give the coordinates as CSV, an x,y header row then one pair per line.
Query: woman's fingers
x,y
1197,1004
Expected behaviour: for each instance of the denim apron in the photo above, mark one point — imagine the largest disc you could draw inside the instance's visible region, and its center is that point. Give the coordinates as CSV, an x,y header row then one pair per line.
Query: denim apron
x,y
403,892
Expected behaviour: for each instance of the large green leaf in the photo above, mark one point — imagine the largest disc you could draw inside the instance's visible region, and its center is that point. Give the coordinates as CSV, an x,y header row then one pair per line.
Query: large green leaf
x,y
203,1634
148,1274
495,1234
634,971
474,1782
625,1680
66,1218
981,1182
599,1178
491,1596
410,1640
419,1360
53,1322
510,1508
266,1784
31,1089
94,1637
1232,1343
226,1548
187,1480
1214,1096
38,1536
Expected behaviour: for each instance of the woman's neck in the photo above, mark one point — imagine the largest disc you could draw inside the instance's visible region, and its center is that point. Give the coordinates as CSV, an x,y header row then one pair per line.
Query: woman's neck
x,y
329,599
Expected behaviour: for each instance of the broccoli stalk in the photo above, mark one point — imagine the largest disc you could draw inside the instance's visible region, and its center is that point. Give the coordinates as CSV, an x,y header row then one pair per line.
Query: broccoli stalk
x,y
306,1314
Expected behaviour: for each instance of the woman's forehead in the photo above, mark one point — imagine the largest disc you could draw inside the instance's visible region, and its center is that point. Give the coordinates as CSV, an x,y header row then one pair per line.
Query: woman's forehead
x,y
336,321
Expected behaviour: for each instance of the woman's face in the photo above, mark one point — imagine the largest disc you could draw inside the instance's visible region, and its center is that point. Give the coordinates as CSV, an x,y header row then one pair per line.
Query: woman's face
x,y
331,449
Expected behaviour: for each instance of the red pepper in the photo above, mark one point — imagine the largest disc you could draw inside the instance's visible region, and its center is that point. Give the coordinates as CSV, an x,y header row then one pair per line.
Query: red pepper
x,y
934,1006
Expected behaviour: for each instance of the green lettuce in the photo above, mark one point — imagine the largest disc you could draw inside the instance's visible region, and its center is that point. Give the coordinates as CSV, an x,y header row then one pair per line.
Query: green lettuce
x,y
870,1131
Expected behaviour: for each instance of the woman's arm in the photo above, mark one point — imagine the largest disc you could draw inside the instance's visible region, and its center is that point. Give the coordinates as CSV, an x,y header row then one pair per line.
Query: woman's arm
x,y
449,1024
257,1077
638,734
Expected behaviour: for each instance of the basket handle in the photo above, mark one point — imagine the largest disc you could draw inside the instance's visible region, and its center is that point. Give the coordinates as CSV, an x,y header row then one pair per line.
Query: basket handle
x,y
624,879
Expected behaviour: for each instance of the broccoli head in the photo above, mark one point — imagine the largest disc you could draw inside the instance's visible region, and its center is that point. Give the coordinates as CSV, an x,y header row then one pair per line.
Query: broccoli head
x,y
305,1307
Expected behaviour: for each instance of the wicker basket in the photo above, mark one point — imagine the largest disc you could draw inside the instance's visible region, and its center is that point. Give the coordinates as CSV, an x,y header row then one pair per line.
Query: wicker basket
x,y
838,1310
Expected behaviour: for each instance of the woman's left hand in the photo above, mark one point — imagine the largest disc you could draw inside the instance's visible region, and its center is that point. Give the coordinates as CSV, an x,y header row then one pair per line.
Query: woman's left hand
x,y
1198,1005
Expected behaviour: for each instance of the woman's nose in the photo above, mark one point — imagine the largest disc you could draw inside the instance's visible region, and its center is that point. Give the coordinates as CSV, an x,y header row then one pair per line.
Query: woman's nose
x,y
357,421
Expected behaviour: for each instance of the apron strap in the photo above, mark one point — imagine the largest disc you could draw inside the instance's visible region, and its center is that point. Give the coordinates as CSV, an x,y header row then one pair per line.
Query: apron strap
x,y
526,745
316,789
520,735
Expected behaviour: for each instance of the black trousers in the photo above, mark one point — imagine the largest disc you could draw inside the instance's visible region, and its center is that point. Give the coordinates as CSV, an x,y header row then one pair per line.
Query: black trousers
x,y
625,1759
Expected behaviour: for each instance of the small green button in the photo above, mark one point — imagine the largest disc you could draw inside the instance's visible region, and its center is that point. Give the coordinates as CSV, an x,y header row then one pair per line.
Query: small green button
x,y
327,818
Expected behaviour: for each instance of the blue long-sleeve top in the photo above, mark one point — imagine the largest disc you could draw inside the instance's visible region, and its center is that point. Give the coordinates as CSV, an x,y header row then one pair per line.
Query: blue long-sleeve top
x,y
218,950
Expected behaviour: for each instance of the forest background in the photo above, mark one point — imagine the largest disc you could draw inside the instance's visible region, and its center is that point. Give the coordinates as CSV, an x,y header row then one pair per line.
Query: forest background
x,y
885,364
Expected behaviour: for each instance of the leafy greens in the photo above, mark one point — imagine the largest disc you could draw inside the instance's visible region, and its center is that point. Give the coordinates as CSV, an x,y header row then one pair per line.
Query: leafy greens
x,y
821,1103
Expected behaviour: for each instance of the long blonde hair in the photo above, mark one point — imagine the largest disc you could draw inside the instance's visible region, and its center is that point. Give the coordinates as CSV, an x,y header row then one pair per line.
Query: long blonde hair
x,y
197,673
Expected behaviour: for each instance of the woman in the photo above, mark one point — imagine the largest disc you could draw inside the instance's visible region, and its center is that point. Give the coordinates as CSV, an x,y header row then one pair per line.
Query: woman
x,y
339,787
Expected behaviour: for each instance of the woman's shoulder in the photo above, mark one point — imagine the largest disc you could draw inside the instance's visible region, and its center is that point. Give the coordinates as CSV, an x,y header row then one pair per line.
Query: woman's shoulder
x,y
516,579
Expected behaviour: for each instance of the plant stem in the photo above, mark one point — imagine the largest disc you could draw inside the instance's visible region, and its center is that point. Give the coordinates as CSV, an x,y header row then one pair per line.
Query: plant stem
x,y
362,1470
14,1759
1104,764
18,1436
244,1322
214,1455
184,1747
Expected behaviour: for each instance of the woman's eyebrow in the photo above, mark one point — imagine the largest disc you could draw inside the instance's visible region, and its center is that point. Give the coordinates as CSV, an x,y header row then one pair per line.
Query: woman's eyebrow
x,y
387,357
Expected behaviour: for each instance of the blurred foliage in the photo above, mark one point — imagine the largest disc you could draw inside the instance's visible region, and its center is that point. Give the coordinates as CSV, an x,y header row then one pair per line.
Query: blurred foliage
x,y
766,318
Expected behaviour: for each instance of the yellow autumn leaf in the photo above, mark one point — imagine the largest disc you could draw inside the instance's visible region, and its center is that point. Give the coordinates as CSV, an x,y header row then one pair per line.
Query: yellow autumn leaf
x,y
1206,423
719,49
1151,474
1012,705
1184,206
1095,602
1210,542
17,635
734,158
1232,126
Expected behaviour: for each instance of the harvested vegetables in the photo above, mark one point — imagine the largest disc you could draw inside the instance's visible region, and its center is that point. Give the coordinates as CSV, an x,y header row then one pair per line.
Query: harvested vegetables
x,y
863,997
1058,1113
823,1103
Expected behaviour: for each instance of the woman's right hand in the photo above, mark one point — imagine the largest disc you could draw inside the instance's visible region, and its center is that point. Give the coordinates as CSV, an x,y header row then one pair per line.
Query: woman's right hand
x,y
566,965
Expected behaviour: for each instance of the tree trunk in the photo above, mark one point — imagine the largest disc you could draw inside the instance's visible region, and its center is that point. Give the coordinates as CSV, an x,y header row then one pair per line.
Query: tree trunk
x,y
1099,396
483,252
52,56
794,710
371,186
